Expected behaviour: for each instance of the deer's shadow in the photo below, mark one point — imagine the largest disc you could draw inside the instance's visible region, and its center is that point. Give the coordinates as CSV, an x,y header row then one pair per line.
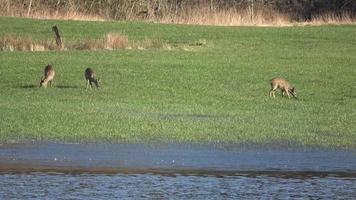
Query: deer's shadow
x,y
66,86
30,86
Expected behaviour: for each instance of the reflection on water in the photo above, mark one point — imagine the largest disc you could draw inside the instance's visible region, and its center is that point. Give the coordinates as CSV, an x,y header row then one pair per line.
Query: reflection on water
x,y
143,186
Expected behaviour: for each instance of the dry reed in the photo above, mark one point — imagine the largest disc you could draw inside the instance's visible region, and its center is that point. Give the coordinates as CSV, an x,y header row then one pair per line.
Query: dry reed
x,y
332,18
229,17
116,41
196,15
110,41
10,43
227,13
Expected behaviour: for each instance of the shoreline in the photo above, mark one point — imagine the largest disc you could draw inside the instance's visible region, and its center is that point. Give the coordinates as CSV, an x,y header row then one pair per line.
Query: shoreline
x,y
174,158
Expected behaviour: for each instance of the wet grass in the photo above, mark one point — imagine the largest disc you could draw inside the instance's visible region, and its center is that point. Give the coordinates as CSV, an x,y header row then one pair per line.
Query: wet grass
x,y
214,92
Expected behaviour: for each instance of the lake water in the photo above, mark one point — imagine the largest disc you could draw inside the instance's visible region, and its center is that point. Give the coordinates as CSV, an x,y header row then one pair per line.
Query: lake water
x,y
175,171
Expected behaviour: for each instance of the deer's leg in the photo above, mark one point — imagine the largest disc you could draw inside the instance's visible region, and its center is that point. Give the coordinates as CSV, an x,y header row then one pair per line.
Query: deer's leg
x,y
273,91
294,95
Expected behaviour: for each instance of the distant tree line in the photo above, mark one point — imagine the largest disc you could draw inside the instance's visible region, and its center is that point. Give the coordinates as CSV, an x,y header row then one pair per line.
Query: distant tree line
x,y
304,9
299,10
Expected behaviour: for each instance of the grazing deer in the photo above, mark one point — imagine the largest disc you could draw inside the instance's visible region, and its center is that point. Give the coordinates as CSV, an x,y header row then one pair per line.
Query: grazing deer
x,y
90,77
283,85
48,76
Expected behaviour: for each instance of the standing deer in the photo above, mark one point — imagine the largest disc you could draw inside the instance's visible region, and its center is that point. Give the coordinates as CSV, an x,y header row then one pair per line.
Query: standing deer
x,y
283,85
90,77
48,76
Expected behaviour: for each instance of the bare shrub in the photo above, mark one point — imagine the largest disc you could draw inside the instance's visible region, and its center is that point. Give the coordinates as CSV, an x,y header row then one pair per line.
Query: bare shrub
x,y
164,12
229,17
213,12
72,15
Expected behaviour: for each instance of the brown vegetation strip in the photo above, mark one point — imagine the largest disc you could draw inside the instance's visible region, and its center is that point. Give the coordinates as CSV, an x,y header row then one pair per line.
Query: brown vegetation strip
x,y
111,41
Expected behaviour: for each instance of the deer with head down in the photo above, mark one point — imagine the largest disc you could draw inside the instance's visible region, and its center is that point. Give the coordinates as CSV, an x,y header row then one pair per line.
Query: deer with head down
x,y
90,77
284,86
48,76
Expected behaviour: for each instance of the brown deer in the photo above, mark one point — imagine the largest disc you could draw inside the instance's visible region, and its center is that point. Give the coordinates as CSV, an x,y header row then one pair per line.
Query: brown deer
x,y
283,85
48,76
90,77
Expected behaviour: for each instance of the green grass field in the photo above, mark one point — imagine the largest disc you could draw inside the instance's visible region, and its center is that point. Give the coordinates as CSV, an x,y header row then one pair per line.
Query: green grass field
x,y
215,92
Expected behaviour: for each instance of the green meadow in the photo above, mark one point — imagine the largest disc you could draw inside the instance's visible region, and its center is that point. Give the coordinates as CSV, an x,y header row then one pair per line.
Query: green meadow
x,y
210,84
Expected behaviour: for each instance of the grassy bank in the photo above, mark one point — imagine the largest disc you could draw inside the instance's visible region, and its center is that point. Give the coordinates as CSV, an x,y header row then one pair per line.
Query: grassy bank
x,y
210,91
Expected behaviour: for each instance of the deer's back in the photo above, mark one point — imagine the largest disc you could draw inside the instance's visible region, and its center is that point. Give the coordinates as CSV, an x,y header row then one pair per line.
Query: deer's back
x,y
49,72
280,83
